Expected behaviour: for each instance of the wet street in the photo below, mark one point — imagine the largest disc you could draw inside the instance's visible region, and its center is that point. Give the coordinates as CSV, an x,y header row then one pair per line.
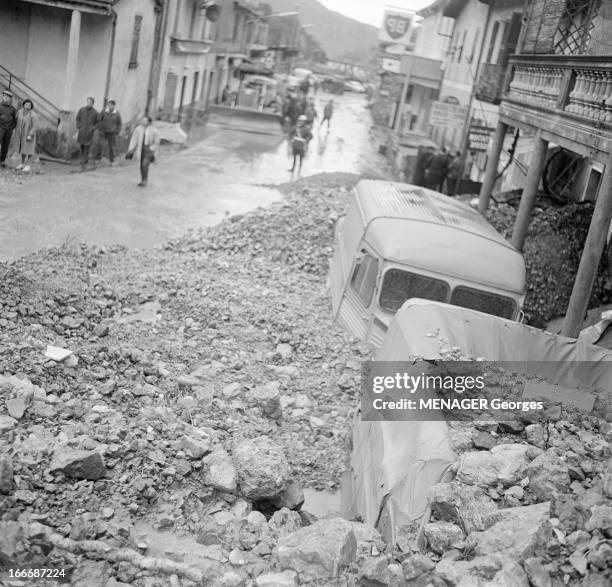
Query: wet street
x,y
226,172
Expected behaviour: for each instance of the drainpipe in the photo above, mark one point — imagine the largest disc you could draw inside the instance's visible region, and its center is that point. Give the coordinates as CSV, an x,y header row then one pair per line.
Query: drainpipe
x,y
111,56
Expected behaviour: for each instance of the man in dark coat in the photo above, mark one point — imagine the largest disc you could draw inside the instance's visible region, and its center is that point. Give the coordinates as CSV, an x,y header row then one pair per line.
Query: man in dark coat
x,y
455,174
8,122
437,170
422,163
87,120
110,127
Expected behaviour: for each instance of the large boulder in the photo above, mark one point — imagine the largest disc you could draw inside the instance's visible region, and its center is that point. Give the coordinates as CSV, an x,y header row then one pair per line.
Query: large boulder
x,y
548,475
318,552
483,571
465,505
520,532
504,463
80,464
262,469
441,536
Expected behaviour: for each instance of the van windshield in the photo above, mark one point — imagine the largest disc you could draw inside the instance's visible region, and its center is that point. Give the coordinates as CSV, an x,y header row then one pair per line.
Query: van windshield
x,y
399,286
483,301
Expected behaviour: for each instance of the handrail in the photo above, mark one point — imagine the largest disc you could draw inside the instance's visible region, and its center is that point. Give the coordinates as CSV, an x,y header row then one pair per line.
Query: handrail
x,y
30,89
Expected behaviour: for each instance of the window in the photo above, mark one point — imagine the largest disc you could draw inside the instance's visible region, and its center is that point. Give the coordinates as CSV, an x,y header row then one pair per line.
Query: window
x,y
399,286
483,301
364,278
492,41
135,41
194,20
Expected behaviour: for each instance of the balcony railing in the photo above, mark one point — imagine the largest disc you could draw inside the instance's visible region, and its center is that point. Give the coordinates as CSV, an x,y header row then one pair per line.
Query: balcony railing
x,y
490,84
95,6
580,87
190,46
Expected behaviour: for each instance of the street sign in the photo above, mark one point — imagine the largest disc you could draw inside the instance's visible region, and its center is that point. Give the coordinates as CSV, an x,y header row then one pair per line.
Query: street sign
x,y
448,115
478,137
396,27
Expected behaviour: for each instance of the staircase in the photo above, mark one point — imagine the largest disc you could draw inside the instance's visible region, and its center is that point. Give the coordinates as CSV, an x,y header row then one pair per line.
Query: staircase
x,y
47,112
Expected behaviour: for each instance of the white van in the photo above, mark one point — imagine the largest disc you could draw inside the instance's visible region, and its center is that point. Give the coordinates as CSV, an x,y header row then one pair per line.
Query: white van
x,y
400,241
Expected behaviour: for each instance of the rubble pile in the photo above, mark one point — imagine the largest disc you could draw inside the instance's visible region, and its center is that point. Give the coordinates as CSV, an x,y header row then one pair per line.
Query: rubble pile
x,y
162,412
554,244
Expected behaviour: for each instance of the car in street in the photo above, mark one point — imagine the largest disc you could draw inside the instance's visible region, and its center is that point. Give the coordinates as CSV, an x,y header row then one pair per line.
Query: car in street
x,y
400,241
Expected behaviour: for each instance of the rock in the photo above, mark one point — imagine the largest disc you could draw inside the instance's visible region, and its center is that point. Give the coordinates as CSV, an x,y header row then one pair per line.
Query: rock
x,y
483,571
601,519
229,579
232,390
284,350
188,381
16,407
267,398
101,330
416,565
81,464
536,572
514,495
7,423
292,497
302,401
520,532
484,440
262,469
219,471
90,572
195,448
374,572
285,521
601,556
511,427
442,536
318,552
11,536
465,505
548,475
7,481
284,579
535,435
504,463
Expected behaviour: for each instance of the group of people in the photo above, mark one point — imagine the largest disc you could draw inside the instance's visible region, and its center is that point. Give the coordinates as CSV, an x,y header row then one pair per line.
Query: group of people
x,y
103,128
439,171
300,115
17,128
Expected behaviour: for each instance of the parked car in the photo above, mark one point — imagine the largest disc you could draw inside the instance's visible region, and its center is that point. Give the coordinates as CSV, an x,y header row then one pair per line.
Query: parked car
x,y
400,241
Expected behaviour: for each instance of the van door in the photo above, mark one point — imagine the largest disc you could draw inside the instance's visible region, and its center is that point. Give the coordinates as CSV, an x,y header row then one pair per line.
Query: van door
x,y
354,312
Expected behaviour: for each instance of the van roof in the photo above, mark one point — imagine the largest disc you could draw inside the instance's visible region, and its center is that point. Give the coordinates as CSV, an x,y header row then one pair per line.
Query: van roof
x,y
445,236
387,199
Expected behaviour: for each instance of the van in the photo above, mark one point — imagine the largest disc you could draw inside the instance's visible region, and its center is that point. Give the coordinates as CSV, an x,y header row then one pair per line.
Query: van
x,y
400,241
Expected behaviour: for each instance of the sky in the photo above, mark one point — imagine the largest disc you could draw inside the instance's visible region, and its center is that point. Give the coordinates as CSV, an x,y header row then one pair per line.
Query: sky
x,y
371,11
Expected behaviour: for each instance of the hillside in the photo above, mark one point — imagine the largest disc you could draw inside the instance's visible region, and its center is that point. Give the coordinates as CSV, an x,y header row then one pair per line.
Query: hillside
x,y
342,38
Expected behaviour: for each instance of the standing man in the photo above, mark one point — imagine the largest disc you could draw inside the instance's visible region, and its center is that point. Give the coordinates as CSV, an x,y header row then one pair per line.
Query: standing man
x,y
455,174
422,163
8,122
143,144
110,127
87,120
328,112
437,170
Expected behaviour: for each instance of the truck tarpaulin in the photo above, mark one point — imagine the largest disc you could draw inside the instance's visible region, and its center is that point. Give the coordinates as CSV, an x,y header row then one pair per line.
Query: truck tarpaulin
x,y
393,464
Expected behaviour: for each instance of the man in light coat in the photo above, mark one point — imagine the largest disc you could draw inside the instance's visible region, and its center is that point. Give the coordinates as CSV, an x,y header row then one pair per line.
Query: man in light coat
x,y
143,146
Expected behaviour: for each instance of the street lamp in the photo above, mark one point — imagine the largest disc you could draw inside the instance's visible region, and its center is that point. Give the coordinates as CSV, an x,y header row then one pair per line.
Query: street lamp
x,y
210,9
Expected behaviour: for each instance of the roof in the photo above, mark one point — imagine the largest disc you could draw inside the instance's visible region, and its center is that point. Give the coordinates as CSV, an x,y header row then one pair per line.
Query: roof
x,y
413,225
95,6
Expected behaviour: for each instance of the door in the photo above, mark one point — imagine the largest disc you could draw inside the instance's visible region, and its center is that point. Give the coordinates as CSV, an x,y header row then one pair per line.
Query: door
x,y
170,92
194,91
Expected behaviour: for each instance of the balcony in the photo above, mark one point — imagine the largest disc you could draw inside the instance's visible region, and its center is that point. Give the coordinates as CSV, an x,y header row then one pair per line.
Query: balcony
x,y
490,83
93,6
182,46
569,98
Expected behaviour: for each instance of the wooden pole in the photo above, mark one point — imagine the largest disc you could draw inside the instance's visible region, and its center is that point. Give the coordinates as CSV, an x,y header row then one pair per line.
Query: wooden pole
x,y
521,224
591,257
492,163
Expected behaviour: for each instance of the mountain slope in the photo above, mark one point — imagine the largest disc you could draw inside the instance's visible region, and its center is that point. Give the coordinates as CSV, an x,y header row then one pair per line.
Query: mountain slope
x,y
343,38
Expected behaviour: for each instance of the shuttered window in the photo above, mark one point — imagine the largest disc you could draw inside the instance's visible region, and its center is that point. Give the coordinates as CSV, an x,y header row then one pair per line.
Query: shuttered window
x,y
135,41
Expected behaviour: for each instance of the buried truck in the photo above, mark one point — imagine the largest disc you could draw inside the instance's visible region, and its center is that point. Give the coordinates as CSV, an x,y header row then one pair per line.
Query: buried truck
x,y
398,460
400,241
